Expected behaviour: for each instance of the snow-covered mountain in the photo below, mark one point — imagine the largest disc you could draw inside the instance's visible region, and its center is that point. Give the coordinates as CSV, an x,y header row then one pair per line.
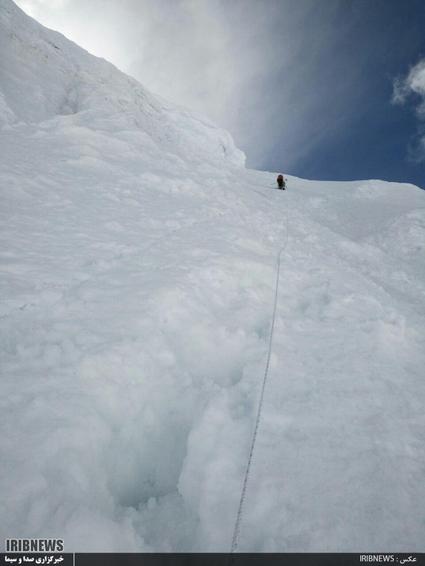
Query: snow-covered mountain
x,y
138,266
44,76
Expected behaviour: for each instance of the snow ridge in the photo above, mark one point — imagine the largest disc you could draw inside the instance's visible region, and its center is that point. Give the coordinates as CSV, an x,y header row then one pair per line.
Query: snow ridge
x,y
43,75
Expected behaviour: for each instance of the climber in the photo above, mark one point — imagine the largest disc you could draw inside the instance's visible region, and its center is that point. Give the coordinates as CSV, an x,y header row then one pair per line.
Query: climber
x,y
281,183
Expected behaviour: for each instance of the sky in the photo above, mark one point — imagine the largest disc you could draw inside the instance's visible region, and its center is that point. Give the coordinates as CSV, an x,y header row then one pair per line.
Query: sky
x,y
329,89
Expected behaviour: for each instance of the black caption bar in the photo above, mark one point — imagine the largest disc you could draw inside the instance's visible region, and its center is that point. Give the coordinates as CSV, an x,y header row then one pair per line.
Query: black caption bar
x,y
212,559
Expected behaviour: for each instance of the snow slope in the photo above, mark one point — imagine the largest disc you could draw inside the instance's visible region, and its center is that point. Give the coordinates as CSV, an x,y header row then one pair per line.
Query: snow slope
x,y
138,264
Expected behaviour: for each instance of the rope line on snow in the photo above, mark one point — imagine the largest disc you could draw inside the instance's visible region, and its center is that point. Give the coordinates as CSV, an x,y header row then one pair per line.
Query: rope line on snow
x,y
237,527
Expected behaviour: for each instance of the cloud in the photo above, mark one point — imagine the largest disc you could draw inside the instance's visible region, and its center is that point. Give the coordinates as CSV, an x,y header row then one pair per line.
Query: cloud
x,y
35,8
412,87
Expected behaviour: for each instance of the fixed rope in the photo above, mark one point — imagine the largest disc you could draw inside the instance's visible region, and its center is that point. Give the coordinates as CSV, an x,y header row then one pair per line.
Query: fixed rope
x,y
238,522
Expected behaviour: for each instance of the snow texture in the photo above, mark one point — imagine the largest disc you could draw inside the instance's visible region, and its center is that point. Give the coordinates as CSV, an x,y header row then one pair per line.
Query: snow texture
x,y
138,264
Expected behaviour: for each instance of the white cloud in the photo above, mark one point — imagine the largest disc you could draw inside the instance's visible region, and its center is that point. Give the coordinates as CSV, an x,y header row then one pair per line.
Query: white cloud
x,y
413,85
36,8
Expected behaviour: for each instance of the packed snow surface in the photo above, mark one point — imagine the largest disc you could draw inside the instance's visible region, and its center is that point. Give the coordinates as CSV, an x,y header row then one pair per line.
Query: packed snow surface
x,y
138,265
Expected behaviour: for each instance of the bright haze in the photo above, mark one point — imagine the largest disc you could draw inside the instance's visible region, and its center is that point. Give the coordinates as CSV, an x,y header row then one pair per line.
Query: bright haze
x,y
325,90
